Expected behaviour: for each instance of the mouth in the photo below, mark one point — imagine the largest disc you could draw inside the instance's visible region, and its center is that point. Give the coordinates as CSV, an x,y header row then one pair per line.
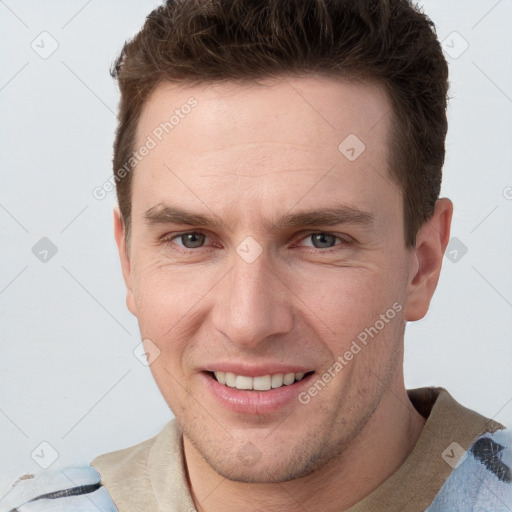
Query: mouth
x,y
258,383
268,390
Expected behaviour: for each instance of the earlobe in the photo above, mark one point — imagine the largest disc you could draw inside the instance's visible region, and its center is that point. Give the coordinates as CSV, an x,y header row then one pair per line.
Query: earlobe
x,y
426,260
120,236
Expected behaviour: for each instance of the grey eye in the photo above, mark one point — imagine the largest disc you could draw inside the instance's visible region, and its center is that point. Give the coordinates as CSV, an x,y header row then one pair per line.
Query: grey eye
x,y
323,240
192,240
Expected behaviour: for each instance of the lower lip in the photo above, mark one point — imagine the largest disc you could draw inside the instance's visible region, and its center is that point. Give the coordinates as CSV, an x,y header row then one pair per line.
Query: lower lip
x,y
255,402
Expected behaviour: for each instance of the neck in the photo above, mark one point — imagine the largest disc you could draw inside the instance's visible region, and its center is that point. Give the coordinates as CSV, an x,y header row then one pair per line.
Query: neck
x,y
374,455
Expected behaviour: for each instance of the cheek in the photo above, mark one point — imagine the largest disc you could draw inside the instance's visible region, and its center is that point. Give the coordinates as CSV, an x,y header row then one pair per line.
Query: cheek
x,y
170,311
352,309
167,303
345,296
164,293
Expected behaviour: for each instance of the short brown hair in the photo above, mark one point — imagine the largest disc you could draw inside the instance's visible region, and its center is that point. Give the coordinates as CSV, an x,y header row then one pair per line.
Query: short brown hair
x,y
390,42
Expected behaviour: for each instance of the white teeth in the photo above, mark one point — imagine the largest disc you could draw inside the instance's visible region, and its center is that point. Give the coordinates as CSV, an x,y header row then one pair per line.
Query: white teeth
x,y
243,382
260,383
289,378
230,379
277,380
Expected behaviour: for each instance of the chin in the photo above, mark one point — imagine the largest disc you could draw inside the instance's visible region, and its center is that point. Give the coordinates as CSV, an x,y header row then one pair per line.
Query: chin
x,y
266,473
248,465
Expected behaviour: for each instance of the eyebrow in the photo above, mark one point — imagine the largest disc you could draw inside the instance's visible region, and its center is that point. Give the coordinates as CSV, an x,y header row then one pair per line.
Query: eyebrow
x,y
344,214
163,214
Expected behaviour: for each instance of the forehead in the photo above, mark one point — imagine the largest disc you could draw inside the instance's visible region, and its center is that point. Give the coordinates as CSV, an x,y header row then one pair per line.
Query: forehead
x,y
266,143
329,105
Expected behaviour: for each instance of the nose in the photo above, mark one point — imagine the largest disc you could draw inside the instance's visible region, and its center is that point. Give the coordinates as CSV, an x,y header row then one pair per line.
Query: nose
x,y
253,303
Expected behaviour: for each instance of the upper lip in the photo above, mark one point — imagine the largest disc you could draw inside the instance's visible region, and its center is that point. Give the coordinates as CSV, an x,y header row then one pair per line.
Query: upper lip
x,y
249,370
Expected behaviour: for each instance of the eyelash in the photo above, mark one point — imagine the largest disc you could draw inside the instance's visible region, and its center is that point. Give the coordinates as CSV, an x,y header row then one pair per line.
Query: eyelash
x,y
343,241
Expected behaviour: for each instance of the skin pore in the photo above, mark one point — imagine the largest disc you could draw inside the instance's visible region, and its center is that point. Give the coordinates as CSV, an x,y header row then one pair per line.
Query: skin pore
x,y
255,242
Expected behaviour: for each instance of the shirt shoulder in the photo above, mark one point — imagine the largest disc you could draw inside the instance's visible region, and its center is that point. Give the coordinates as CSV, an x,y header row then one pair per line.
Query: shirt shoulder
x,y
482,479
150,475
64,490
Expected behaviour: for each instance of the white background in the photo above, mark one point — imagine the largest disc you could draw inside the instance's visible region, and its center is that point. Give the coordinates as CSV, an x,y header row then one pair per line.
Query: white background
x,y
68,375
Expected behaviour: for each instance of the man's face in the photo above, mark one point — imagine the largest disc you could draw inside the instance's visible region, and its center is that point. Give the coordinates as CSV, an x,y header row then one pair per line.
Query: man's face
x,y
260,247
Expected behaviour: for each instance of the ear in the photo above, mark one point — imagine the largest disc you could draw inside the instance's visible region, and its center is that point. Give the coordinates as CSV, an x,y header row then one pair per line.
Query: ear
x,y
120,235
426,259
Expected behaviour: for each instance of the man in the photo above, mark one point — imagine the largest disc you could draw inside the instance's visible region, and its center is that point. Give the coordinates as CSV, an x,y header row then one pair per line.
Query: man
x,y
278,167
